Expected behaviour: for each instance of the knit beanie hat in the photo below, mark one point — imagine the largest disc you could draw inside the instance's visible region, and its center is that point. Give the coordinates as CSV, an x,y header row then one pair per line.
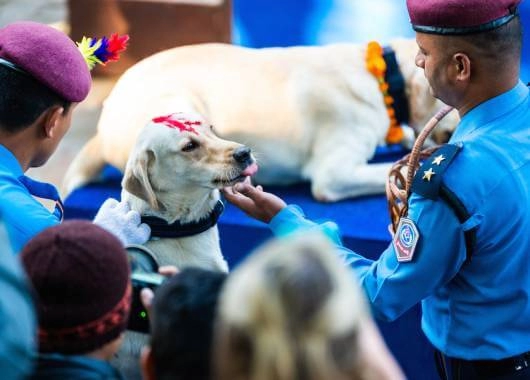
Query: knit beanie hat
x,y
81,276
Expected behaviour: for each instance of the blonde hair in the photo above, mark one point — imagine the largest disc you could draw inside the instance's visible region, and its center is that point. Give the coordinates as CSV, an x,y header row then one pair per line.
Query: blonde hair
x,y
292,310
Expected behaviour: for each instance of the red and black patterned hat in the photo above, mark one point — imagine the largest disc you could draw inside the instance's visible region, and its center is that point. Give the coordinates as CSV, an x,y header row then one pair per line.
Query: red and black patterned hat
x,y
81,276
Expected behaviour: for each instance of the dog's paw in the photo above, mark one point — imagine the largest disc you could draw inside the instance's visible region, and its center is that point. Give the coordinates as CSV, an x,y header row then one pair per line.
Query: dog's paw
x,y
325,196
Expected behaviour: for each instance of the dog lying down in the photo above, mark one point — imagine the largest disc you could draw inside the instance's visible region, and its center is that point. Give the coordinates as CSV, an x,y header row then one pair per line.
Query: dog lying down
x,y
173,177
307,113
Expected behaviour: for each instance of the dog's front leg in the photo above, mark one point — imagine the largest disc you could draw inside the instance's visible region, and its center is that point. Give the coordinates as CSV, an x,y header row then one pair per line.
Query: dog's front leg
x,y
340,170
334,183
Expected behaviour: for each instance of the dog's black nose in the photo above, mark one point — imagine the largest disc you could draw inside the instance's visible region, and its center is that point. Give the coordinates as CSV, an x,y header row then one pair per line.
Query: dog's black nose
x,y
242,154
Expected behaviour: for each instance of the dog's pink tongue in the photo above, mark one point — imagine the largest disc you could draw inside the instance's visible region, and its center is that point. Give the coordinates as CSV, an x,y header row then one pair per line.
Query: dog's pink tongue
x,y
250,170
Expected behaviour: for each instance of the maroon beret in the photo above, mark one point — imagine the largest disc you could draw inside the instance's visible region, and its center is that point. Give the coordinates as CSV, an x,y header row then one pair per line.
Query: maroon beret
x,y
458,17
49,56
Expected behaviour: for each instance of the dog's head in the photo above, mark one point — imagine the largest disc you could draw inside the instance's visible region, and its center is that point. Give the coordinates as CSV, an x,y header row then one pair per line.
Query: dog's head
x,y
179,154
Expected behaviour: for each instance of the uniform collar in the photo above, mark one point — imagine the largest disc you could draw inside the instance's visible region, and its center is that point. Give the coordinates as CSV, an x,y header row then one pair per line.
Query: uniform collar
x,y
9,160
490,110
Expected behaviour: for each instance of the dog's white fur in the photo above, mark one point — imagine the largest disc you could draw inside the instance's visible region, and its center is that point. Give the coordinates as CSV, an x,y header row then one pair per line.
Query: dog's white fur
x,y
308,113
165,180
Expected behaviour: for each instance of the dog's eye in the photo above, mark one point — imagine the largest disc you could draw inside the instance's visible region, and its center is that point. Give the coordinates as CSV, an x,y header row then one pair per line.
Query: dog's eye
x,y
190,146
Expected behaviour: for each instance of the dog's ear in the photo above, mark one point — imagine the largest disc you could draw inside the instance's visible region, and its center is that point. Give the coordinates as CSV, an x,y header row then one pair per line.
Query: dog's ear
x,y
137,182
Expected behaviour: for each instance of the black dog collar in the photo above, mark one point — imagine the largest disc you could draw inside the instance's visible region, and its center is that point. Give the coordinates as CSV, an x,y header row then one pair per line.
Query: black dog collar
x,y
396,83
161,228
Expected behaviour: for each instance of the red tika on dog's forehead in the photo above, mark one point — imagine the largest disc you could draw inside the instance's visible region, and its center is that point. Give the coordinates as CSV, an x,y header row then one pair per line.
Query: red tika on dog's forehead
x,y
181,123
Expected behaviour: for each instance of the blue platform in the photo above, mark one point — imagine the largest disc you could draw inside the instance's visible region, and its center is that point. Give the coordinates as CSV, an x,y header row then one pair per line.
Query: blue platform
x,y
363,223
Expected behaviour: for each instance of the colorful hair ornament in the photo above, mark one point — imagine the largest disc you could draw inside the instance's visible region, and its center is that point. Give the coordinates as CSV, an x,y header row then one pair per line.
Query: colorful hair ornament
x,y
103,50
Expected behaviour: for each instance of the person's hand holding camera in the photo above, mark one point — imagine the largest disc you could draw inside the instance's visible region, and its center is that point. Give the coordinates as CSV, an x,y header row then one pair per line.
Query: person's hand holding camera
x,y
147,294
146,276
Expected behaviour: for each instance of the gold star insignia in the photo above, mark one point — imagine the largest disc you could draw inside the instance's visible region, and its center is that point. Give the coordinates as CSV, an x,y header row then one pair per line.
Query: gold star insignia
x,y
438,159
428,174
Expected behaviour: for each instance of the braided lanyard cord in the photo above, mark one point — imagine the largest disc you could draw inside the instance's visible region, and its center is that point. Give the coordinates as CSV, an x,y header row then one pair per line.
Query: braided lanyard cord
x,y
402,173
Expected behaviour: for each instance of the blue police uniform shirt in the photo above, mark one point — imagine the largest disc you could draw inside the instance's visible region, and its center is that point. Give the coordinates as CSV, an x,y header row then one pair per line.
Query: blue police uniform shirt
x,y
477,309
23,215
18,322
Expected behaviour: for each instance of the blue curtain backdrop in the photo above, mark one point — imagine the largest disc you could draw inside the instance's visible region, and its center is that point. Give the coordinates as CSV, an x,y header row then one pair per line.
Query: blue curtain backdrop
x,y
262,23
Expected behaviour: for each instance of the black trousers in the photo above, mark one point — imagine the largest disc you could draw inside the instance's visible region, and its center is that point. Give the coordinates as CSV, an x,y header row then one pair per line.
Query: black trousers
x,y
514,368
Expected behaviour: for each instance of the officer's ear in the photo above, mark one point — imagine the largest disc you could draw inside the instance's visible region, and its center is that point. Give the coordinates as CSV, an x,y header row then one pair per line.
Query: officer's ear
x,y
51,119
461,65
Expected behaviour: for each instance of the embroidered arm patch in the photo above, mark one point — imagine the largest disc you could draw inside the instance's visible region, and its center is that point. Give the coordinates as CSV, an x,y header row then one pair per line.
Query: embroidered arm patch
x,y
405,240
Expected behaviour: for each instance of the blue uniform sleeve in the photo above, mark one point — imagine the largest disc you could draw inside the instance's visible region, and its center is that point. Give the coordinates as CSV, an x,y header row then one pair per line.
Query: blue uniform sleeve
x,y
291,219
17,316
23,215
392,287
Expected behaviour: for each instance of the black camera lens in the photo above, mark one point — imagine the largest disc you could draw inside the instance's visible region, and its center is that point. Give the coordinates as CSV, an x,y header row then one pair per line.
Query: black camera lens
x,y
141,259
144,274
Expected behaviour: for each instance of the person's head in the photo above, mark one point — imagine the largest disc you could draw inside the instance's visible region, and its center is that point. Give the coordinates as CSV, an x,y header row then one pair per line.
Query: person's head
x,y
81,276
182,319
470,49
42,76
292,310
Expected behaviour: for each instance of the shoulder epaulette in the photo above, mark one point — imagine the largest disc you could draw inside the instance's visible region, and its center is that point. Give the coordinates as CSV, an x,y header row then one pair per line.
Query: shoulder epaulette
x,y
428,183
428,179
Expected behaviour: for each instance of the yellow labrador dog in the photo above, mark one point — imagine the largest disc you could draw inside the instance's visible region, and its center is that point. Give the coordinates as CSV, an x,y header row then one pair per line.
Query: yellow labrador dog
x,y
308,113
172,179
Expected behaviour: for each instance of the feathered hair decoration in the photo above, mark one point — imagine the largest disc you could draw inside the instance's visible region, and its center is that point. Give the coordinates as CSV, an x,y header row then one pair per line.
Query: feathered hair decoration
x,y
102,50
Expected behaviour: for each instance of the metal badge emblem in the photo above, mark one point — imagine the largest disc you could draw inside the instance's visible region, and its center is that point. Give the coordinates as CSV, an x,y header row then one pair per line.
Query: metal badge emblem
x,y
405,240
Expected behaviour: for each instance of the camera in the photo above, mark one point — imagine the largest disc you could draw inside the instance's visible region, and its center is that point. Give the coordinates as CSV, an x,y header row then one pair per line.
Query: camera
x,y
144,274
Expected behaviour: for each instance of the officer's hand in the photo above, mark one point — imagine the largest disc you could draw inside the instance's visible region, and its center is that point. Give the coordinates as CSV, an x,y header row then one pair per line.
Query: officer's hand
x,y
254,201
118,218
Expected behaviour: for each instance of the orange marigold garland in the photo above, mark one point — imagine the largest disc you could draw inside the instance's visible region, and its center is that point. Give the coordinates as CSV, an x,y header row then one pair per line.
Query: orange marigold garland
x,y
376,64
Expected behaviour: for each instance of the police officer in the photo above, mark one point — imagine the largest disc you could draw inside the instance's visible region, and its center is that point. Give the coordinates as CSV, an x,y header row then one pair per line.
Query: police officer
x,y
43,76
464,248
